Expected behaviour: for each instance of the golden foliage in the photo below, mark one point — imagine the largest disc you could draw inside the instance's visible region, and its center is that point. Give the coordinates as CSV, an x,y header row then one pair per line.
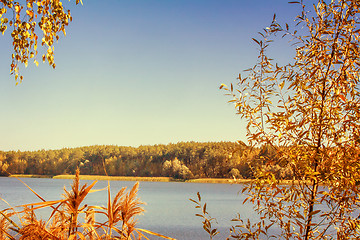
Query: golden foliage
x,y
24,18
309,112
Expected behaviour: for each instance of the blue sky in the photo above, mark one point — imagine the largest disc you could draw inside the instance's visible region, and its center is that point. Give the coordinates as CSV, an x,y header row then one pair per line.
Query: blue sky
x,y
137,73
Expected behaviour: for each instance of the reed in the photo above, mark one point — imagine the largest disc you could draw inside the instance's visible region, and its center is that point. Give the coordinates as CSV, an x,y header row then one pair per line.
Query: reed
x,y
135,179
71,218
116,178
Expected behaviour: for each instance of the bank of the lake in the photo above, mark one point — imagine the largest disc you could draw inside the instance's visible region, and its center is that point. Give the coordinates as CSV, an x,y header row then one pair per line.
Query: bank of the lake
x,y
137,179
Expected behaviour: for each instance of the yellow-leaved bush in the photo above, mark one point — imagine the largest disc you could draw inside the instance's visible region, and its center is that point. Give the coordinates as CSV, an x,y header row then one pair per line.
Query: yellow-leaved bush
x,y
308,112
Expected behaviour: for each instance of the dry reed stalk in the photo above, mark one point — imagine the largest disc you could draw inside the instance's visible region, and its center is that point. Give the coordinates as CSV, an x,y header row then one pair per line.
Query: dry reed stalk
x,y
89,225
121,212
36,230
130,207
73,200
58,225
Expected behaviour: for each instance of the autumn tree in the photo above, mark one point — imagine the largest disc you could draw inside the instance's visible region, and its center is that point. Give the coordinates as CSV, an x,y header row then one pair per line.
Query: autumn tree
x,y
308,111
28,22
176,169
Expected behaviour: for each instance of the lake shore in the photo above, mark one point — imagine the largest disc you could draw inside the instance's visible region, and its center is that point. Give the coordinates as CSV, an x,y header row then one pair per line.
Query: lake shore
x,y
137,179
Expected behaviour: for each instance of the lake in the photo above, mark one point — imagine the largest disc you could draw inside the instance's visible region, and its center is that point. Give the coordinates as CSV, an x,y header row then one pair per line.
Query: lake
x,y
168,208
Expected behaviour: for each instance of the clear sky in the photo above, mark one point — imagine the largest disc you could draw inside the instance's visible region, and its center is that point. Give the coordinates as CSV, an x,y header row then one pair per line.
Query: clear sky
x,y
136,73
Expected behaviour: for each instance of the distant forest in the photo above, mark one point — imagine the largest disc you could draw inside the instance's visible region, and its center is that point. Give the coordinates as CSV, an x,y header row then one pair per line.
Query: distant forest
x,y
183,160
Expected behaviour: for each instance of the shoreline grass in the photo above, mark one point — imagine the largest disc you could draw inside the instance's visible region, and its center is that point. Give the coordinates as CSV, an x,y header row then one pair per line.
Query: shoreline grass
x,y
30,176
149,179
115,178
136,179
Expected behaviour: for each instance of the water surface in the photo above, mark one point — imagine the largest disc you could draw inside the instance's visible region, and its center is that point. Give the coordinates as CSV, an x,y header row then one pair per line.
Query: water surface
x,y
168,209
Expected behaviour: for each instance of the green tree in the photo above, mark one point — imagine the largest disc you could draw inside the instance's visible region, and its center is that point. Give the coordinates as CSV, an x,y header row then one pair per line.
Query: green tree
x,y
308,111
24,18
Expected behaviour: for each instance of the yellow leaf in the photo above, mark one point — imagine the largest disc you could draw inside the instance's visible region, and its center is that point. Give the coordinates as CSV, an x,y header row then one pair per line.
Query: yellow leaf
x,y
342,97
281,85
222,86
17,8
314,212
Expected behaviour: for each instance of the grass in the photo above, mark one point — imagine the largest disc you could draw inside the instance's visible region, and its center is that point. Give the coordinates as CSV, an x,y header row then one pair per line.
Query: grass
x,y
116,178
30,176
218,180
71,218
135,179
146,179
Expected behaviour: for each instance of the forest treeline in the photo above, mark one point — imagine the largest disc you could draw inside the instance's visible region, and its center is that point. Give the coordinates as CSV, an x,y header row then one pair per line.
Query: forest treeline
x,y
183,160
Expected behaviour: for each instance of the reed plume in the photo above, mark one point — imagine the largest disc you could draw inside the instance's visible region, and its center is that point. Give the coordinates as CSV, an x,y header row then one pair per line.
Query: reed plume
x,y
121,212
73,200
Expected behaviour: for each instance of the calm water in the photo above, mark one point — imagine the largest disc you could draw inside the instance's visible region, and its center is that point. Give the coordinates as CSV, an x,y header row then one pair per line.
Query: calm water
x,y
168,209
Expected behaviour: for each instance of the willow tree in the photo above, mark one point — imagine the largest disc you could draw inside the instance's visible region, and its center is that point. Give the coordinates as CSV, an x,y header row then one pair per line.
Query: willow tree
x,y
308,110
31,20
